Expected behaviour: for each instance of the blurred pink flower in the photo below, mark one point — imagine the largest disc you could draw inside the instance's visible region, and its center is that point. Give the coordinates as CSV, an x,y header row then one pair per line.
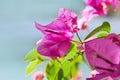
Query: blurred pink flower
x,y
95,8
58,34
103,55
101,6
38,76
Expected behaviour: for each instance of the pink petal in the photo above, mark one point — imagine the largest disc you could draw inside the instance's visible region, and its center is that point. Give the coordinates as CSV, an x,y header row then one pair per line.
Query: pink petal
x,y
115,4
57,34
102,54
69,17
38,75
53,48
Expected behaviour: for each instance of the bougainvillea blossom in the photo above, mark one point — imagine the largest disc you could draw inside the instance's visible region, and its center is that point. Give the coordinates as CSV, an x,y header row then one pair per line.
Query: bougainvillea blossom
x,y
57,35
102,6
95,8
69,17
103,55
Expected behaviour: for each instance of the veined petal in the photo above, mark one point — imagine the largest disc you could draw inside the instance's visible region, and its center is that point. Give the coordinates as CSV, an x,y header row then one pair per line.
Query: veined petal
x,y
68,17
107,50
57,35
57,26
40,27
103,55
52,48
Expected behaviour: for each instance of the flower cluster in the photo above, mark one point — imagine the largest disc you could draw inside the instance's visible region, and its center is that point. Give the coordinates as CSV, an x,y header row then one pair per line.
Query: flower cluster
x,y
96,8
58,33
58,46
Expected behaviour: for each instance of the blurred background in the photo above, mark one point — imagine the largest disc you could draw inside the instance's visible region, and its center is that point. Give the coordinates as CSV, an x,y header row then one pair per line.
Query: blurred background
x,y
18,34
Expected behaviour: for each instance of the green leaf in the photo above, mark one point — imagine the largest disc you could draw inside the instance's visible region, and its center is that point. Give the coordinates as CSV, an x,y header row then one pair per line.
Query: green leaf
x,y
70,68
32,55
60,74
70,62
102,35
74,70
104,27
64,68
72,52
32,66
52,70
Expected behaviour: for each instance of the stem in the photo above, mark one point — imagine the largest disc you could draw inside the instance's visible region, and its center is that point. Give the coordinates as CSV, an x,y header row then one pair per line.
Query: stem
x,y
76,41
79,38
59,62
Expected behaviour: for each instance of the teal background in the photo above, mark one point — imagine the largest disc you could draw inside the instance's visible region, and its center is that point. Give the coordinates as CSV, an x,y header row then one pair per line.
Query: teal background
x,y
18,34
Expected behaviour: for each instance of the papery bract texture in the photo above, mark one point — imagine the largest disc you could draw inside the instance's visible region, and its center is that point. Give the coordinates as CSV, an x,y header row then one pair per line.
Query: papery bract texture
x,y
107,75
57,35
103,55
69,17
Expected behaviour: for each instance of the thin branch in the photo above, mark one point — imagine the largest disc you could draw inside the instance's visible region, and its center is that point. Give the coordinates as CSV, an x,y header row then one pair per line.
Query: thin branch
x,y
79,38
